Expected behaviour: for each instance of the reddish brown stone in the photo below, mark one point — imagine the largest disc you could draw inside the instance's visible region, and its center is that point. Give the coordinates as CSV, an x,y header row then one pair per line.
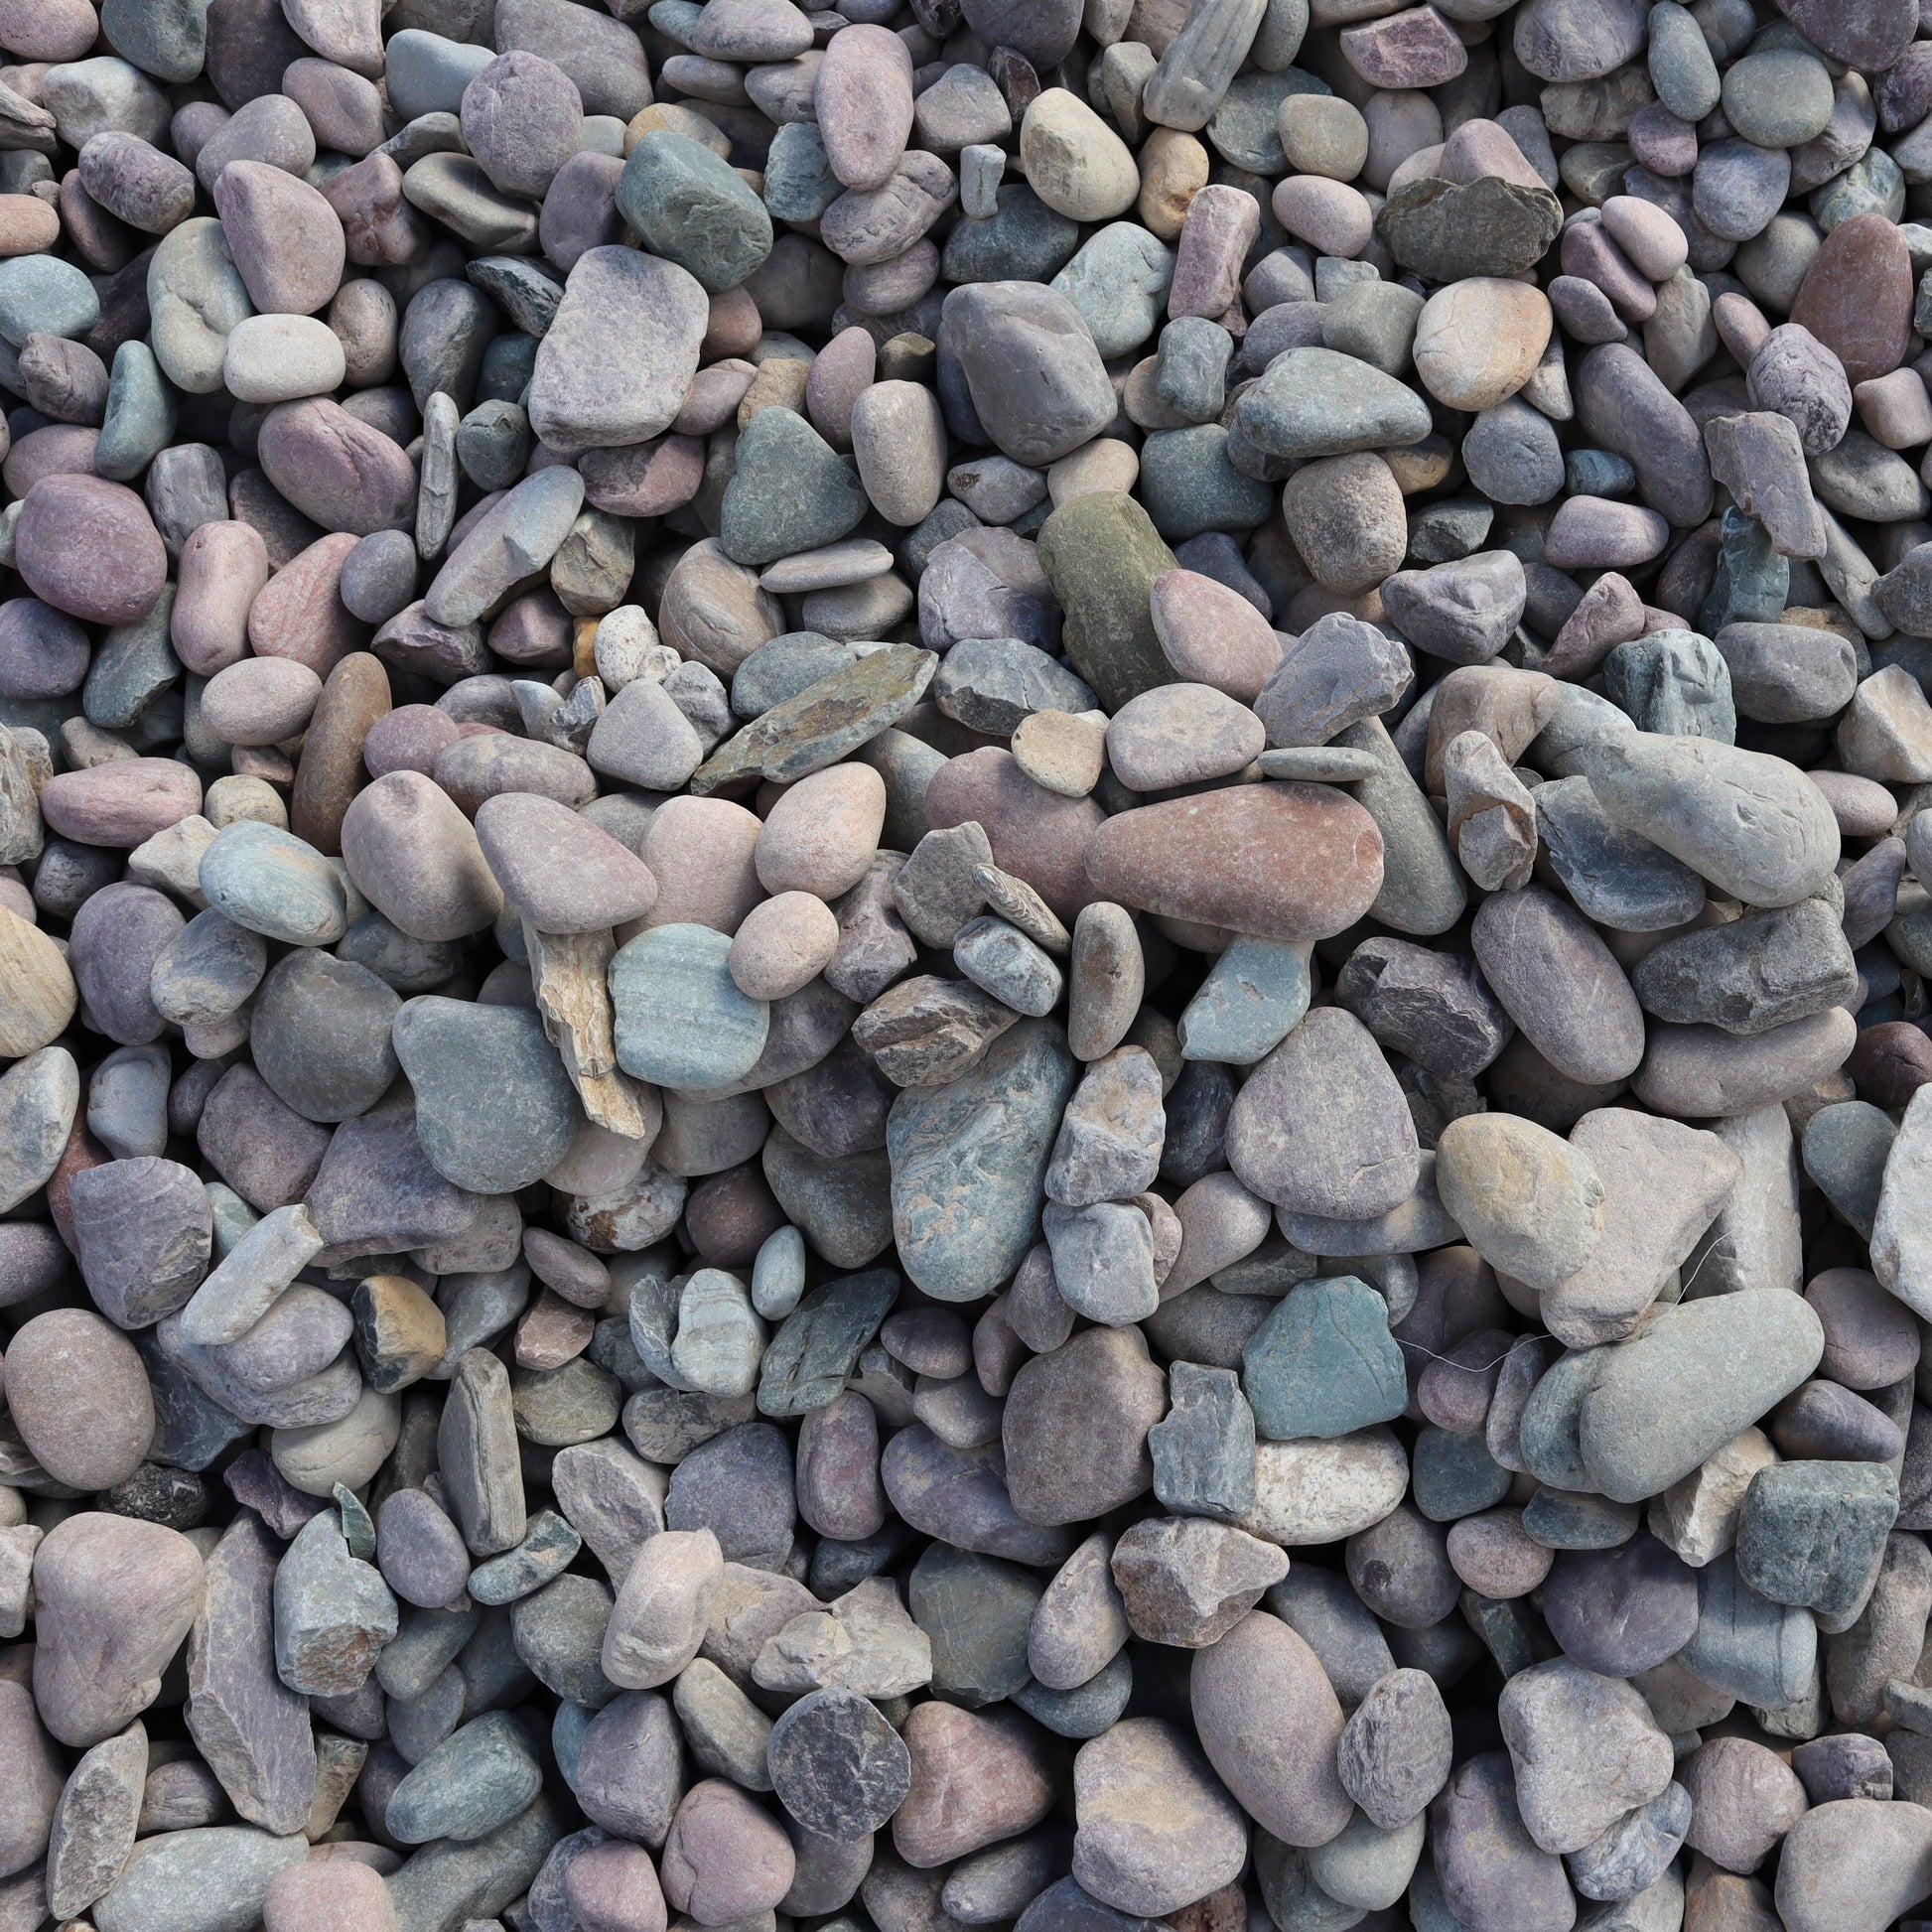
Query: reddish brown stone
x,y
331,772
1276,861
1857,297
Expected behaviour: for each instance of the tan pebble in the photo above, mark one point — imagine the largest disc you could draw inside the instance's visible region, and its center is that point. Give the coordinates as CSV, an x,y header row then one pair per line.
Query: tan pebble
x,y
1075,163
1174,170
782,943
1061,751
37,992
821,834
1104,465
1479,340
235,797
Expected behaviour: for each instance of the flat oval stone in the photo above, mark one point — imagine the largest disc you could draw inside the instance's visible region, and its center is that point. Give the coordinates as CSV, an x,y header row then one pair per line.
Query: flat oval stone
x,y
1278,861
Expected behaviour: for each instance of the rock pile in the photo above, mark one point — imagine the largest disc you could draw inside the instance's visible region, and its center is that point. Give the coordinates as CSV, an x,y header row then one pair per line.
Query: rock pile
x,y
963,964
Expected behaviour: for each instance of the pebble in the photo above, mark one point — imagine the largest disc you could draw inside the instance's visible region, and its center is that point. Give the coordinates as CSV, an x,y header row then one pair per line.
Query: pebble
x,y
658,1125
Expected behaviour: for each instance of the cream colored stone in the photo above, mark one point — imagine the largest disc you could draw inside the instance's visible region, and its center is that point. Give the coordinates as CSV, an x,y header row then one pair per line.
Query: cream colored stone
x,y
1479,340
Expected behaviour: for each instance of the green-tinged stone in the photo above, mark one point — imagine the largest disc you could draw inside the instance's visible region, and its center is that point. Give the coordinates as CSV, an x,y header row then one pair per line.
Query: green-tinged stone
x,y
680,1019
474,1782
332,1612
1249,1002
969,1163
276,884
1246,128
789,492
209,1880
1023,241
1454,1475
1752,583
134,664
1445,230
448,1884
800,184
824,722
1325,1363
819,1343
1101,553
692,208
546,1551
977,1610
140,418
1313,402
1811,1533
1119,282
495,1108
1562,1521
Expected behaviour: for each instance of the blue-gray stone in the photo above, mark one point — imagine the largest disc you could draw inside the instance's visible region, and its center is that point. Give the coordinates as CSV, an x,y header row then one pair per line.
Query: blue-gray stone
x,y
526,290
791,490
977,1612
800,184
1251,1000
509,362
1023,241
1325,1363
1600,473
450,1882
474,1782
1618,878
492,444
1190,485
211,1880
1003,961
1812,1534
134,664
276,884
819,1343
549,1547
495,1108
1439,533
1205,1450
1084,1712
1752,583
332,1612
1103,1261
1762,1653
1632,1855
1561,1520
1190,367
1315,402
1674,682
988,684
693,208
1512,454
786,665
1845,1147
1119,282
969,1163
42,295
681,1021
165,38
1872,185
1454,1475
427,73
140,417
